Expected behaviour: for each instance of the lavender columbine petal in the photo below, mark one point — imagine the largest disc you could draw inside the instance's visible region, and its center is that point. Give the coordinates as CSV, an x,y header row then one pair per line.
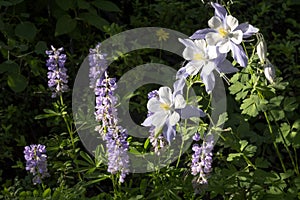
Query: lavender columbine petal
x,y
239,54
247,29
220,11
200,34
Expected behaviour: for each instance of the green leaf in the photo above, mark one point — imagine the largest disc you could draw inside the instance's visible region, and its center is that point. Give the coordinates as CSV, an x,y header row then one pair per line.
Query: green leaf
x,y
47,193
17,82
9,66
65,24
232,156
146,144
243,144
65,4
106,6
222,119
143,186
87,157
83,4
40,47
290,104
253,105
26,30
94,20
236,87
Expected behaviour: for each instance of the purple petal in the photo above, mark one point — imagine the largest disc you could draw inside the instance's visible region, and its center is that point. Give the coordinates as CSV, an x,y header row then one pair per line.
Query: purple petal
x,y
239,54
209,81
200,34
191,111
226,67
220,11
178,86
247,29
169,132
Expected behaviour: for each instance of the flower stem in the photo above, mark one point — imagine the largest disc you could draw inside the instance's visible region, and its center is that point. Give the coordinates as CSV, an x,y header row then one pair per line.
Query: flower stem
x,y
274,142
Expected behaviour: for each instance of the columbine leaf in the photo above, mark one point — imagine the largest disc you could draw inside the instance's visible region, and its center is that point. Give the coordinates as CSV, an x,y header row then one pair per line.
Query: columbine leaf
x,y
253,105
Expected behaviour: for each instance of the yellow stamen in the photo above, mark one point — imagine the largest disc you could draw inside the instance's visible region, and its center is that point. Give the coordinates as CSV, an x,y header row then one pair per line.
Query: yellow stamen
x,y
198,57
223,32
164,106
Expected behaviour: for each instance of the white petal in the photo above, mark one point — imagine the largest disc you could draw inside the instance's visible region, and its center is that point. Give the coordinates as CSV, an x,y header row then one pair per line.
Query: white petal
x,y
208,68
232,22
214,22
237,36
224,47
213,38
212,52
165,95
153,105
159,119
188,53
174,118
186,42
179,101
193,68
201,44
148,121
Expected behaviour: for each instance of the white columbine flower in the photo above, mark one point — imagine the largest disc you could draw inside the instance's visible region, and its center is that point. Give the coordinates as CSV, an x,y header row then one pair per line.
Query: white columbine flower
x,y
164,111
205,58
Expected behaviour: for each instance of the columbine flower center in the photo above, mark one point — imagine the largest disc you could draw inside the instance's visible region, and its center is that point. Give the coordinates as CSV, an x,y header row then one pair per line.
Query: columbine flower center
x,y
198,57
164,106
223,32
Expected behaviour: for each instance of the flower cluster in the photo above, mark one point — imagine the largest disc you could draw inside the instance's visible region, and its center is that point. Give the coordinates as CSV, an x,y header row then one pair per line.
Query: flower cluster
x,y
57,73
98,64
36,162
106,114
207,49
202,159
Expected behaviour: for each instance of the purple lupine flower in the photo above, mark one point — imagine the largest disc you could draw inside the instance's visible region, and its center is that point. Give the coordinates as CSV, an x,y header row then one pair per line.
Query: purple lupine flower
x,y
106,115
36,162
98,64
226,33
117,148
57,73
202,159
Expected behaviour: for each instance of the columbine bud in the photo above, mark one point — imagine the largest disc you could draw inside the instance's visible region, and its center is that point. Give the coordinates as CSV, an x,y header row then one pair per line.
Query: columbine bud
x,y
269,71
261,50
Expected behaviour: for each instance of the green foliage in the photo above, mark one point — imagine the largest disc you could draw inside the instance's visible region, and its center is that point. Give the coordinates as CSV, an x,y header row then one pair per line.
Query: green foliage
x,y
256,157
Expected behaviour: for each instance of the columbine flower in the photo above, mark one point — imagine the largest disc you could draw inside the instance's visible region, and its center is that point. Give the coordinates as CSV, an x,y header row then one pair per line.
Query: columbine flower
x,y
114,136
157,141
202,160
226,33
57,75
269,71
36,162
98,64
164,112
205,58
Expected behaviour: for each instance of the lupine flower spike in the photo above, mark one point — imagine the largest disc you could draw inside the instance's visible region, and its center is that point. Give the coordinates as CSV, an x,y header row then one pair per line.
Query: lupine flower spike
x,y
106,115
36,162
57,74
